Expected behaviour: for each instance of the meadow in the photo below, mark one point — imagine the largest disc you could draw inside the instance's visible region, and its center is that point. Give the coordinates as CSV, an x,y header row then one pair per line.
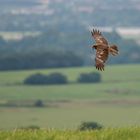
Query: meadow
x,y
104,134
115,102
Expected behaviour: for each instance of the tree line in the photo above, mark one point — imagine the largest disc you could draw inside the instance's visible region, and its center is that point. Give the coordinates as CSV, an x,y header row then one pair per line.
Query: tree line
x,y
58,78
43,59
58,48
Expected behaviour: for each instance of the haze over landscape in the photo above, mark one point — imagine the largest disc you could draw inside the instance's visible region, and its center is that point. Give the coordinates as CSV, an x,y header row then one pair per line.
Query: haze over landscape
x,y
48,77
37,14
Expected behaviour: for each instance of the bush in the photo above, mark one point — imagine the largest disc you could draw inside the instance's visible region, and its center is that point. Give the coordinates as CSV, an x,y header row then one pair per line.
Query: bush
x,y
89,126
40,79
57,78
89,78
39,103
36,79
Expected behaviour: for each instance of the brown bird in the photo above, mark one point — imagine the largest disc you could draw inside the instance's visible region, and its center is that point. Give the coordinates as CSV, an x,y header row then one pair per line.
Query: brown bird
x,y
103,49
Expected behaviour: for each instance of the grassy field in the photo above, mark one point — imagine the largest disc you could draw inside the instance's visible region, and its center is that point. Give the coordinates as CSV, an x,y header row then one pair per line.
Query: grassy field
x,y
105,134
114,102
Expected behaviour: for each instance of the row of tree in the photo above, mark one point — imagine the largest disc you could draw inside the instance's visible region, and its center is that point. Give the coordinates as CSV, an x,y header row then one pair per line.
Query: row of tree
x,y
58,78
56,48
43,59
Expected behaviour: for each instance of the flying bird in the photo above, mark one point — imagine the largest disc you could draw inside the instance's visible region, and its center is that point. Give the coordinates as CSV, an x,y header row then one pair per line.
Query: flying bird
x,y
103,49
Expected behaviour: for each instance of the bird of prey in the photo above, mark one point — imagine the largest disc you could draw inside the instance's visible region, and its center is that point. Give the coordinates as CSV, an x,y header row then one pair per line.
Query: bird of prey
x,y
103,49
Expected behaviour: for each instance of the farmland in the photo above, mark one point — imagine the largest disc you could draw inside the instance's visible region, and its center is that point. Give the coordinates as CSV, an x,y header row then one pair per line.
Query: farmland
x,y
113,102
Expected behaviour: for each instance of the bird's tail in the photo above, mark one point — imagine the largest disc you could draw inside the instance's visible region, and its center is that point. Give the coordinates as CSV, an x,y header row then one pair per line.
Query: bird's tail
x,y
113,49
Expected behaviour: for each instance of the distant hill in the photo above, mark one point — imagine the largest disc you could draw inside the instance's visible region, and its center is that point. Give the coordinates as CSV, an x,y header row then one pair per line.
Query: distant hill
x,y
39,14
20,3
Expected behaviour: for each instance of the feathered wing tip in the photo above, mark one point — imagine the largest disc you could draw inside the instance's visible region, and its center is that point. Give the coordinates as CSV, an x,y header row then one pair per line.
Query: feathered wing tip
x,y
113,49
95,32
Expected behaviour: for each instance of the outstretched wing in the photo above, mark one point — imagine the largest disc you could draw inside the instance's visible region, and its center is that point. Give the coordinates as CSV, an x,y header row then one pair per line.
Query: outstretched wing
x,y
101,57
96,34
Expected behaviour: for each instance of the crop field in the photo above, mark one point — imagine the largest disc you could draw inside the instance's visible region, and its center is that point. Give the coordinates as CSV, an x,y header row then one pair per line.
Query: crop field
x,y
115,102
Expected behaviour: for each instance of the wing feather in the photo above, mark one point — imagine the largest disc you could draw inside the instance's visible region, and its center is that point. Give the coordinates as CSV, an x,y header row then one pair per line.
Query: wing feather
x,y
102,49
99,39
101,57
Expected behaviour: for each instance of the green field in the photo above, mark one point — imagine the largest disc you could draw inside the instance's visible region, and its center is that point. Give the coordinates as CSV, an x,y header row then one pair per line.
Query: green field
x,y
117,73
113,102
105,134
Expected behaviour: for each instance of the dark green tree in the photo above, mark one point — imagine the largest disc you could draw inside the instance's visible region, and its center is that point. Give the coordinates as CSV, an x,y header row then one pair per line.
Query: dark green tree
x,y
92,77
